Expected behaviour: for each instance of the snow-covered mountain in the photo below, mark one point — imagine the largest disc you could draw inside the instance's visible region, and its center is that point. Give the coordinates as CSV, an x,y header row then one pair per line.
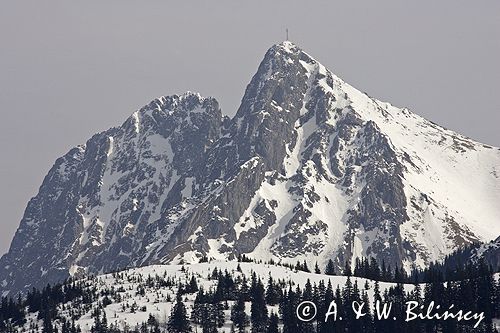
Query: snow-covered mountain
x,y
308,166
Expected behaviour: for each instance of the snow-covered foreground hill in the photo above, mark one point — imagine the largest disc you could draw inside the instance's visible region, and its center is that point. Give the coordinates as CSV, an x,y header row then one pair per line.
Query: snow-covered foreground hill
x,y
159,302
129,298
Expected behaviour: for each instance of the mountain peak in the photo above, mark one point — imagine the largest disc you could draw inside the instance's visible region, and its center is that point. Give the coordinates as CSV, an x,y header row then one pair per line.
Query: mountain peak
x,y
178,106
187,100
288,46
286,50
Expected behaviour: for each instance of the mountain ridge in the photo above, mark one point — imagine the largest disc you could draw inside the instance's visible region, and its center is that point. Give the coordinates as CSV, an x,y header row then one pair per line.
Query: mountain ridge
x,y
307,166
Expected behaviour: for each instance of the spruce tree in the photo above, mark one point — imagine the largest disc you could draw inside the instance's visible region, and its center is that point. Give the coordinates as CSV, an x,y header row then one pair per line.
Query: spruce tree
x,y
178,321
238,314
153,323
347,269
329,297
374,270
258,308
330,268
272,327
272,296
319,298
193,286
197,313
212,317
104,323
288,306
305,268
316,269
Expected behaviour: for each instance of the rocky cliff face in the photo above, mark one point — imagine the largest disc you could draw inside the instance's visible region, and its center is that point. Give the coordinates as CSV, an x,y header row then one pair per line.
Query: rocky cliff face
x,y
309,167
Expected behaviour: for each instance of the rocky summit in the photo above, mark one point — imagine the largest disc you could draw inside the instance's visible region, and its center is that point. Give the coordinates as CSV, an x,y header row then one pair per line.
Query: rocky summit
x,y
308,168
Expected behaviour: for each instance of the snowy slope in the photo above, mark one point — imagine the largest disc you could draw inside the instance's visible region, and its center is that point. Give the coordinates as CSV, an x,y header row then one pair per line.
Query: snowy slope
x,y
446,166
159,301
130,287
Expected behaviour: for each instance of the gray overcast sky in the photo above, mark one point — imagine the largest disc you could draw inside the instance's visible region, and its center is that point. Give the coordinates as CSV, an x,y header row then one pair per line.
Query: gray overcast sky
x,y
71,68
